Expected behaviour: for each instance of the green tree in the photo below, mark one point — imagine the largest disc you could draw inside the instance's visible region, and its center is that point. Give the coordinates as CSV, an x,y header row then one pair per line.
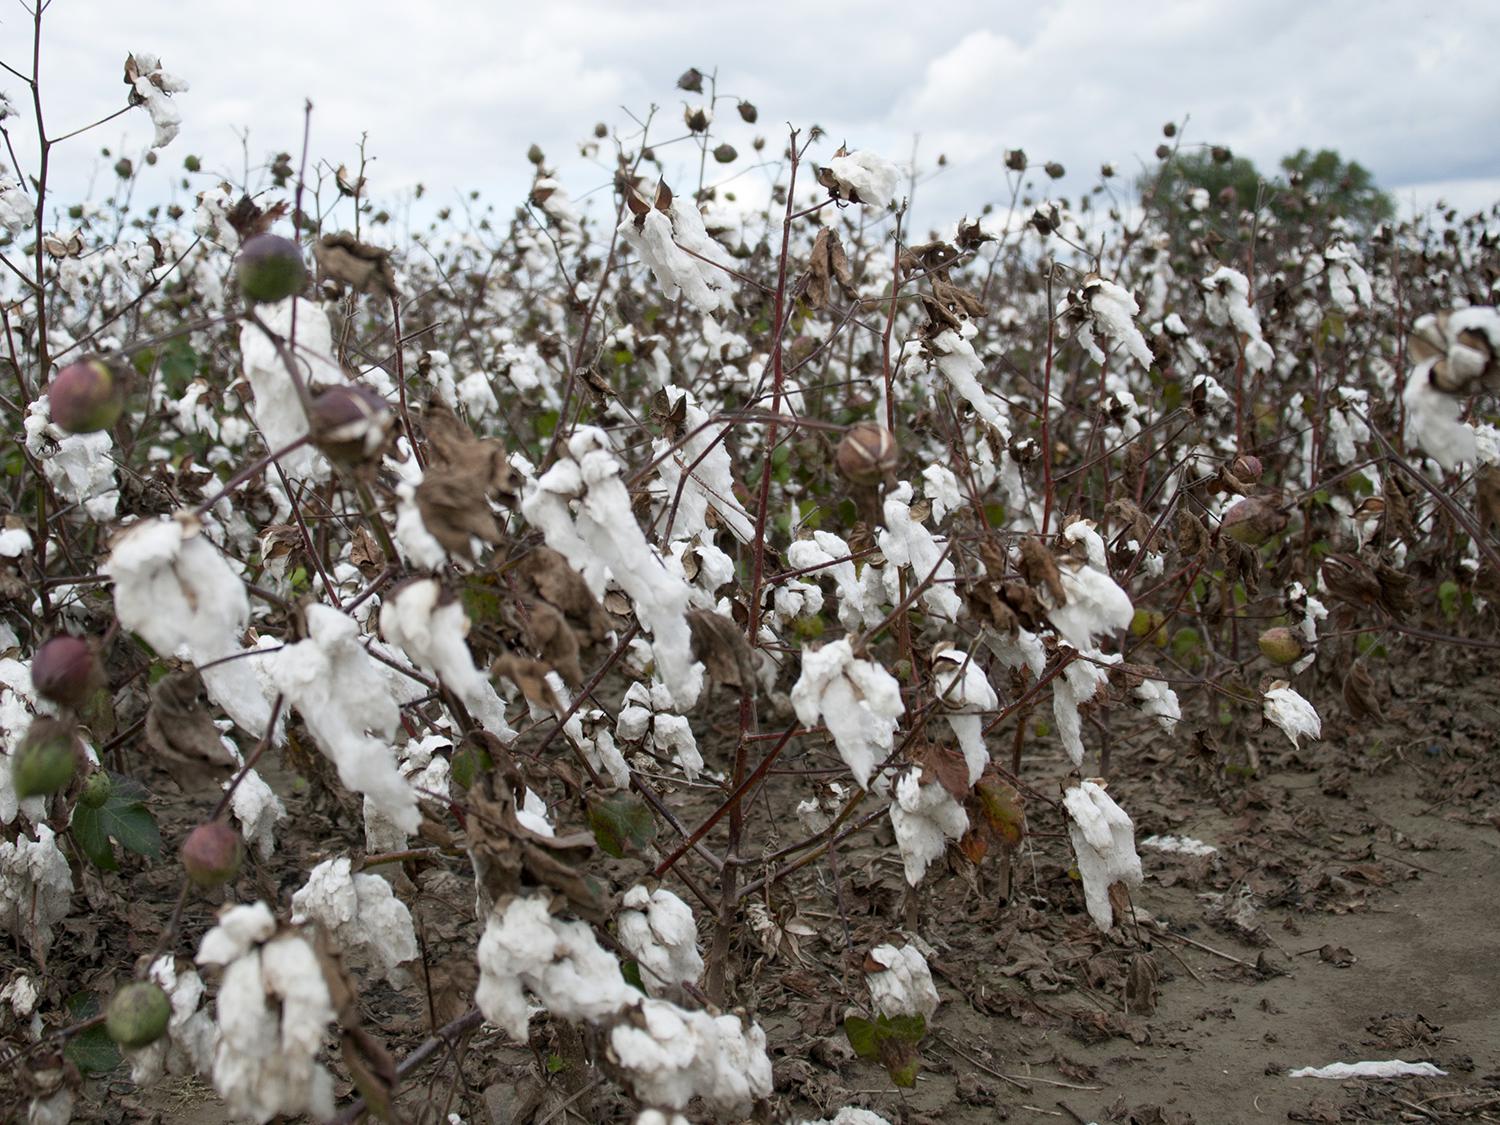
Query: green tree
x,y
1333,189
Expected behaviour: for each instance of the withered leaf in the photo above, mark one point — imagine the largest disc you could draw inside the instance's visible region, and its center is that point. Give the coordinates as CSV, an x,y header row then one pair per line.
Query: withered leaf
x,y
1360,696
562,587
249,220
1002,809
365,553
944,766
1140,984
464,472
719,643
1039,569
828,265
530,676
553,640
364,268
180,728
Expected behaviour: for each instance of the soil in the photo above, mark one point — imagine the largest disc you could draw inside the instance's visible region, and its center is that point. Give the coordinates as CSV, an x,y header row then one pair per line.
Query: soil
x,y
1347,914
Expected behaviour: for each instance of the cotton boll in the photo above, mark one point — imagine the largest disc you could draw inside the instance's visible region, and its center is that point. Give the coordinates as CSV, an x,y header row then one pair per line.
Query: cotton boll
x,y
671,1056
36,888
906,543
258,810
345,701
850,1115
658,930
860,703
1433,420
1095,605
1104,844
662,240
925,817
1080,682
361,914
1293,715
863,177
904,986
1160,702
432,633
965,692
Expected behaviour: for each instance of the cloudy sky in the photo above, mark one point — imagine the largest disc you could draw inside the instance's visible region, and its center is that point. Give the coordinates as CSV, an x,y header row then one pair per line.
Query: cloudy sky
x,y
452,93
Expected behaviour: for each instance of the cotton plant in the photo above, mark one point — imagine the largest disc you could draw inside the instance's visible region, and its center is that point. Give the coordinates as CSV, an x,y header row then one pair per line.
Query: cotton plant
x,y
672,241
1103,838
966,695
36,888
647,716
361,914
417,620
1290,713
658,930
176,590
583,510
273,1008
349,709
17,211
902,985
858,700
925,817
906,543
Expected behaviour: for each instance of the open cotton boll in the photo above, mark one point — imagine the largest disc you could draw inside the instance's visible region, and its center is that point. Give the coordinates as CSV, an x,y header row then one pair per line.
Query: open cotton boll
x,y
524,948
1392,1068
1295,716
1160,702
176,591
1103,305
432,633
1095,605
1080,682
925,817
257,809
672,1056
904,987
863,177
710,484
954,358
603,540
19,704
658,930
1104,845
17,211
277,409
662,240
361,914
36,888
1433,420
857,610
906,543
273,1008
851,1115
965,692
646,713
80,467
588,730
860,702
152,87
344,699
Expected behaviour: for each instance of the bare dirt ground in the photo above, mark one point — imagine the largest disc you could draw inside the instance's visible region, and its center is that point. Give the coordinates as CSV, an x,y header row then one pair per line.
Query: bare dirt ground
x,y
1349,913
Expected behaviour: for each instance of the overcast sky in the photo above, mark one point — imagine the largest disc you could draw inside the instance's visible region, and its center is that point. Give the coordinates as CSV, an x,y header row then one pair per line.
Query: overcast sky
x,y
452,93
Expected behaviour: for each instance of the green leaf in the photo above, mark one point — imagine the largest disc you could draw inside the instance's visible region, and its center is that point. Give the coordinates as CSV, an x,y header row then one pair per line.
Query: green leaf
x,y
92,1051
468,763
1449,597
179,364
619,821
631,971
862,1036
123,818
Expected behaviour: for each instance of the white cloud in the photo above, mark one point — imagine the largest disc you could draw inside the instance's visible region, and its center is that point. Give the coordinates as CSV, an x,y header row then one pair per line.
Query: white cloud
x,y
453,94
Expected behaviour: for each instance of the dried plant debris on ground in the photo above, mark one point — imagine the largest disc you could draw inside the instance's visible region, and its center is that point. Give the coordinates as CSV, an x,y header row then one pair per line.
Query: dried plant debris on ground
x,y
714,656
